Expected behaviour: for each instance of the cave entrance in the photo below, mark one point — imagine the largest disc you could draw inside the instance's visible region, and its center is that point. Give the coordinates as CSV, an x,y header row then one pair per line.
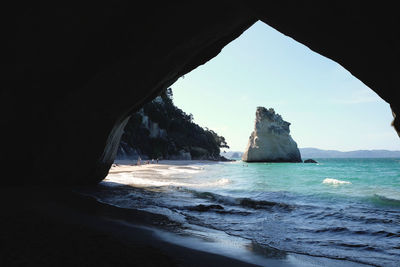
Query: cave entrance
x,y
327,107
309,209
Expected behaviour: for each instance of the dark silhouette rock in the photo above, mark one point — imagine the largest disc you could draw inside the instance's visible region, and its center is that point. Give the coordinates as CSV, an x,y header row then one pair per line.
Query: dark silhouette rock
x,y
310,161
71,77
203,208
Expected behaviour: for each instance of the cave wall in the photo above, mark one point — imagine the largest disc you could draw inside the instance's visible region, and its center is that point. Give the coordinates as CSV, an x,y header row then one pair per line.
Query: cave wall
x,y
72,75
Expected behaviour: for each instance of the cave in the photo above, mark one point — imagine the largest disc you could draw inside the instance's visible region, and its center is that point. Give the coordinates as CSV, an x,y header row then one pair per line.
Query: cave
x,y
72,76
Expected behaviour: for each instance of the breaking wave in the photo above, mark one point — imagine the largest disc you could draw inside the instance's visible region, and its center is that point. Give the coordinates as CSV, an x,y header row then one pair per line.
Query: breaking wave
x,y
243,202
158,182
334,181
383,200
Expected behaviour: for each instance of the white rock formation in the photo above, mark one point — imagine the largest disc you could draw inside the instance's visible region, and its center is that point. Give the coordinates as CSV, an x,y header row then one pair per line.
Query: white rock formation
x,y
271,141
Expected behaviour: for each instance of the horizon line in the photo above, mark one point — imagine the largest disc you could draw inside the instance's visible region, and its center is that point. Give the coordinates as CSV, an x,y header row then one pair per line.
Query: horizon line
x,y
330,150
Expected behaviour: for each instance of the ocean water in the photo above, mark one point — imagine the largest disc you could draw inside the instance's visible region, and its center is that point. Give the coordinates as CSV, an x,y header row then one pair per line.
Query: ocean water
x,y
347,209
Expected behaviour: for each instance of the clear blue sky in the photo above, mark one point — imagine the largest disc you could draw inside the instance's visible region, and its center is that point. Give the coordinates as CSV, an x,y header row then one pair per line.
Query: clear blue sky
x,y
327,107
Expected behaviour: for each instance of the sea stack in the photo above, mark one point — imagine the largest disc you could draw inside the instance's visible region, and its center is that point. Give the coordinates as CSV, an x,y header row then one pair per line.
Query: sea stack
x,y
271,141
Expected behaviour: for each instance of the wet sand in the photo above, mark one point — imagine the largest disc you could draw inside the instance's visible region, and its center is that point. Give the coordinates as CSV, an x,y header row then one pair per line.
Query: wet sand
x,y
249,253
53,227
59,227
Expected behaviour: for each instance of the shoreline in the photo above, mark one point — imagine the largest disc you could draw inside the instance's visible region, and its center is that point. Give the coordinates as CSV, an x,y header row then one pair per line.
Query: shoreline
x,y
168,162
65,227
247,251
128,166
58,227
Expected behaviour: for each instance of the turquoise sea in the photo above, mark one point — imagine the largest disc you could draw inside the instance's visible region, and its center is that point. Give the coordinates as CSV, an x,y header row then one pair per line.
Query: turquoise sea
x,y
347,209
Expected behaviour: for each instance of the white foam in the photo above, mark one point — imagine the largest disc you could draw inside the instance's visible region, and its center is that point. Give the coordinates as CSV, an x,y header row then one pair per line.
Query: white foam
x,y
130,179
334,181
222,181
180,170
186,169
164,172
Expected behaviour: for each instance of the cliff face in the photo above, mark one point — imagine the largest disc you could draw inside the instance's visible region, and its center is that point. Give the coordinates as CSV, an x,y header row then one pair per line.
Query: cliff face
x,y
162,130
271,141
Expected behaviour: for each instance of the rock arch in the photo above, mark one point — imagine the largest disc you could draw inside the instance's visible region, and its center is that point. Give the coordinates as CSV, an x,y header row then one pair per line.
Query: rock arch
x,y
71,76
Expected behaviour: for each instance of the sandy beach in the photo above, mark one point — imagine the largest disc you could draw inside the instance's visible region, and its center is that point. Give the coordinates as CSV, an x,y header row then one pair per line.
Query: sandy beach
x,y
214,242
152,169
60,227
56,227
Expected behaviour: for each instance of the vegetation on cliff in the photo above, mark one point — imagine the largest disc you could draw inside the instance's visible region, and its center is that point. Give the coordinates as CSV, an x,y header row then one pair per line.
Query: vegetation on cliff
x,y
162,130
